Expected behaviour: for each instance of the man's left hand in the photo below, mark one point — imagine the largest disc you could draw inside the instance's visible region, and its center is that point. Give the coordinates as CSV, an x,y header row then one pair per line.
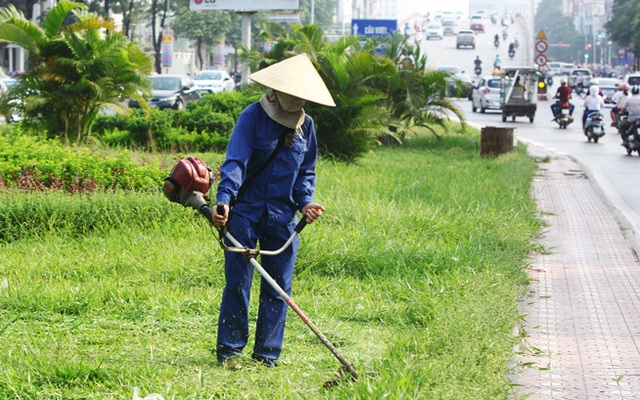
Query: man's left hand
x,y
312,211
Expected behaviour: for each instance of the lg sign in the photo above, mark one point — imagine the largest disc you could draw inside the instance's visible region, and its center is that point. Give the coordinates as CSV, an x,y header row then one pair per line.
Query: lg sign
x,y
243,5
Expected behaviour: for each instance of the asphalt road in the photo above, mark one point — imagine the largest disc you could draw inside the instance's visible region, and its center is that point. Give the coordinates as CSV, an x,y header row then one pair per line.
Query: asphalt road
x,y
606,163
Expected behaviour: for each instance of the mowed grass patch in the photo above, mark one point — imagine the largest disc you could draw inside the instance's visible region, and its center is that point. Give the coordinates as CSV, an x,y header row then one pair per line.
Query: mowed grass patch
x,y
413,272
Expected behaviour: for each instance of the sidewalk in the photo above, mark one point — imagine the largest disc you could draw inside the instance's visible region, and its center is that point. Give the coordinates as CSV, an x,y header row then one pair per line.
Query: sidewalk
x,y
582,313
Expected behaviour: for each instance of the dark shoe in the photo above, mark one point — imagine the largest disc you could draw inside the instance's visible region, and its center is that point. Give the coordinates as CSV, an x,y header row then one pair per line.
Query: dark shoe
x,y
614,124
231,363
267,362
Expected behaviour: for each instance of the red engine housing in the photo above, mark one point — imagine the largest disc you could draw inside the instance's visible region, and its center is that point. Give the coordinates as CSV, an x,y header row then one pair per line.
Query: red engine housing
x,y
192,174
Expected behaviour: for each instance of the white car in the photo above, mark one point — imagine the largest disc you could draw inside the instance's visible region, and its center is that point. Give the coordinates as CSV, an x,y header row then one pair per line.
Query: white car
x,y
486,94
434,30
213,81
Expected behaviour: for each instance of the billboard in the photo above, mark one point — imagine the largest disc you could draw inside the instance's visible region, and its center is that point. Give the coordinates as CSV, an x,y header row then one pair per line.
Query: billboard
x,y
243,5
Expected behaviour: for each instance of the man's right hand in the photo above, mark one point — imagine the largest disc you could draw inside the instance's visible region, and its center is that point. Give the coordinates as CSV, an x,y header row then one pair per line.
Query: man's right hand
x,y
219,220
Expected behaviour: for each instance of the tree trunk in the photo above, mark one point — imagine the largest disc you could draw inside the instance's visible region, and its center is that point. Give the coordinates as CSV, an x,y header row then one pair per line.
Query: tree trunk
x,y
495,141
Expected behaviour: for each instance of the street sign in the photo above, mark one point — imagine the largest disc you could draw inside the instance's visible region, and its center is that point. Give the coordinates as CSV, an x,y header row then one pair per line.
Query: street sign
x,y
541,60
373,27
541,46
541,35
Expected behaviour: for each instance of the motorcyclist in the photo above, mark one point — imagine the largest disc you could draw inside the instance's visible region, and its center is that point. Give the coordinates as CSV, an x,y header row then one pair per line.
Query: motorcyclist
x,y
632,107
619,98
512,48
563,94
496,62
478,64
592,103
496,39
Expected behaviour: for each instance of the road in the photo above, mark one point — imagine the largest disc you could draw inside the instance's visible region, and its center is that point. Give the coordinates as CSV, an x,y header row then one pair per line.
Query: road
x,y
606,163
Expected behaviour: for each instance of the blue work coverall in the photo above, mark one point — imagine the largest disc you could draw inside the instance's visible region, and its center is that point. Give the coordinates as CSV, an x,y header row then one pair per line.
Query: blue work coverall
x,y
265,214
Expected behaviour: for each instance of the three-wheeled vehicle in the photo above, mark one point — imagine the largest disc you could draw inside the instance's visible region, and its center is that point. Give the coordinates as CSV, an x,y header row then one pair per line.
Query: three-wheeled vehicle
x,y
519,92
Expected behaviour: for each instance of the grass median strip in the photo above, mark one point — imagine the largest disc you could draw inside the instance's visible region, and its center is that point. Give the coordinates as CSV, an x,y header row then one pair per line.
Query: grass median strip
x,y
414,273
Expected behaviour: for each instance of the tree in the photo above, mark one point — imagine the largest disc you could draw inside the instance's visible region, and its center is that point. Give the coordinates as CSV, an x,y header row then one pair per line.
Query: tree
x,y
323,12
205,28
624,26
558,28
373,95
76,70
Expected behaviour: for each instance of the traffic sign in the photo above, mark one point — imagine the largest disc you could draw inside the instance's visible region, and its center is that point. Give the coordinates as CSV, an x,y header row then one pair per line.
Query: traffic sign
x,y
373,27
541,35
541,46
541,60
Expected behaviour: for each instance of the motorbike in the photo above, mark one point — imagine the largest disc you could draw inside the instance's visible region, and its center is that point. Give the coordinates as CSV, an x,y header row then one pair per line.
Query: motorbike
x,y
478,70
549,80
594,126
496,43
512,53
505,35
563,117
632,142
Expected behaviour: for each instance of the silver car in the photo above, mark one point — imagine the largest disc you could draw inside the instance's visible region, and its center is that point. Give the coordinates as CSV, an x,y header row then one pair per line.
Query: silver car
x,y
466,37
486,94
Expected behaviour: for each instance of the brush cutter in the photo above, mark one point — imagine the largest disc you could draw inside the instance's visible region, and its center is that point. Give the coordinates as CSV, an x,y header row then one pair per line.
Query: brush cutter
x,y
189,180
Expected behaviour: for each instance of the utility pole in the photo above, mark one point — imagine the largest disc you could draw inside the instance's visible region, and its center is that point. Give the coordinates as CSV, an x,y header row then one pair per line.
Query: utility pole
x,y
313,11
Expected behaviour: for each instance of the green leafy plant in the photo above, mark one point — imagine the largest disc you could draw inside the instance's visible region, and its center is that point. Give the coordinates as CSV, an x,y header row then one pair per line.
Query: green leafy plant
x,y
76,69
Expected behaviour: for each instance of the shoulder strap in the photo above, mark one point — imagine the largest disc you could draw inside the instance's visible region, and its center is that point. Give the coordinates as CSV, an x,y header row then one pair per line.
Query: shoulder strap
x,y
247,182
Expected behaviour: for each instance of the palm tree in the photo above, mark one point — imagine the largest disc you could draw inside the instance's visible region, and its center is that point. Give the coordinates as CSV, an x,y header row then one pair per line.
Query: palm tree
x,y
76,70
415,94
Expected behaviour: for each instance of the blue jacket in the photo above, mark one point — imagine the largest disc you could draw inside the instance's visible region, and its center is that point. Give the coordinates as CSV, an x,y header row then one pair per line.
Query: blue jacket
x,y
286,185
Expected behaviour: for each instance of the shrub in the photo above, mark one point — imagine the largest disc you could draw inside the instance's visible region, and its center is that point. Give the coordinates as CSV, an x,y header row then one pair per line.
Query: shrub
x,y
205,125
33,164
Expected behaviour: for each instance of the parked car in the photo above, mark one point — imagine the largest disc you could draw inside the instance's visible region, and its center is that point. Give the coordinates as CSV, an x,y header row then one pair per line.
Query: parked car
x,y
13,114
486,94
449,27
466,37
170,91
213,81
608,86
434,30
477,23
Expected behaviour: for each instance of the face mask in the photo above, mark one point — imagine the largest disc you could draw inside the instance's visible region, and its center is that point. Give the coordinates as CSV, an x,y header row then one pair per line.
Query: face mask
x,y
290,103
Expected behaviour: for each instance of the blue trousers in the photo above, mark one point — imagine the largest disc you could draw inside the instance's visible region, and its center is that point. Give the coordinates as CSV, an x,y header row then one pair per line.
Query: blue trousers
x,y
233,322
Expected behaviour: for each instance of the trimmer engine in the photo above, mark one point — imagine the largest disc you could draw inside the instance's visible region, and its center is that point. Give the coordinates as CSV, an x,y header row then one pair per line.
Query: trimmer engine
x,y
188,183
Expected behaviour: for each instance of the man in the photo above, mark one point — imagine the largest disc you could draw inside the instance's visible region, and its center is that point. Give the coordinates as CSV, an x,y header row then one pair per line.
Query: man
x,y
496,62
619,98
632,107
266,191
563,94
592,103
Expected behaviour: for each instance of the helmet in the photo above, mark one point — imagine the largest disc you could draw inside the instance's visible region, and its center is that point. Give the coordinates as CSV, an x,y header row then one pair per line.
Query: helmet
x,y
563,81
624,86
635,89
593,90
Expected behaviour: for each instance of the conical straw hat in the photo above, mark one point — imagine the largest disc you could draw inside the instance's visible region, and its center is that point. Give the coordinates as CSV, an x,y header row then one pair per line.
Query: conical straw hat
x,y
297,77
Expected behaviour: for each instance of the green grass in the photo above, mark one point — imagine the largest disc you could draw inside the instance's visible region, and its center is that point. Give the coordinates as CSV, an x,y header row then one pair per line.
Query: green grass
x,y
414,273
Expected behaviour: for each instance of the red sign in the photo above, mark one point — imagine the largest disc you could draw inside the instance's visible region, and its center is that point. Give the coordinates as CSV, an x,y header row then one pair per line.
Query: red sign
x,y
541,46
541,60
